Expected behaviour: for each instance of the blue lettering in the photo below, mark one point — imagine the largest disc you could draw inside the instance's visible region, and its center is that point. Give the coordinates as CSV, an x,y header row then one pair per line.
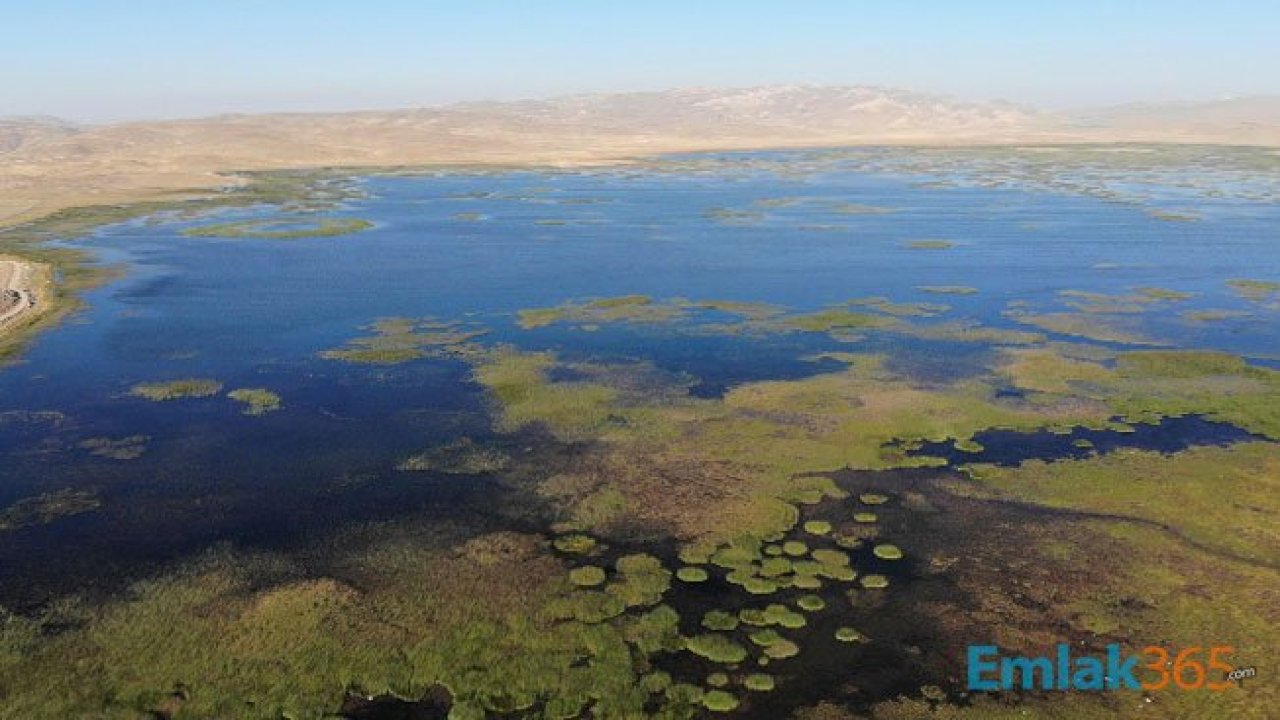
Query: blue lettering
x,y
978,665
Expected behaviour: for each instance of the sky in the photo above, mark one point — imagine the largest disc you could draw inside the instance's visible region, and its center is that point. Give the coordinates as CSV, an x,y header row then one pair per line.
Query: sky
x,y
109,60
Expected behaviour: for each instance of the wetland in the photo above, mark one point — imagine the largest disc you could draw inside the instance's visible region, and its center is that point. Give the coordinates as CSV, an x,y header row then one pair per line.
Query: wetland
x,y
751,435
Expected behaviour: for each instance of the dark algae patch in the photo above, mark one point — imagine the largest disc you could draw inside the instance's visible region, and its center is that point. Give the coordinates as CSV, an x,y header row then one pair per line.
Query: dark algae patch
x,y
498,469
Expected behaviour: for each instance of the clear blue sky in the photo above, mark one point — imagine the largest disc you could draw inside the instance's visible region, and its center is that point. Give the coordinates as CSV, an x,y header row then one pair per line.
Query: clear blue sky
x,y
111,59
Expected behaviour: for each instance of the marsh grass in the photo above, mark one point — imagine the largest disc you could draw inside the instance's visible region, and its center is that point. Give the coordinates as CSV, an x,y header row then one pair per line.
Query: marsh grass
x,y
176,389
278,228
257,401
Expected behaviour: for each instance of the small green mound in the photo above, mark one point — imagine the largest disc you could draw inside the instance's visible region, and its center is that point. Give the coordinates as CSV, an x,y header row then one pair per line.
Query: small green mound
x,y
587,576
887,552
758,682
795,548
717,680
806,582
775,567
875,582
817,527
782,649
849,635
864,517
969,446
574,544
812,603
873,499
257,401
719,620
691,574
765,637
719,701
1082,443
716,648
176,389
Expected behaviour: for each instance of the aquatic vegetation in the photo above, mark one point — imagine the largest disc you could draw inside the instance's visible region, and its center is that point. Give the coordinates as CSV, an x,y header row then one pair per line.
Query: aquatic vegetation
x,y
1208,316
758,682
948,289
873,499
716,647
731,216
837,319
520,384
575,543
720,701
849,635
795,548
817,527
1090,326
864,517
692,574
46,508
126,448
257,401
782,650
930,244
968,446
1255,290
623,309
859,209
766,636
459,457
1172,216
281,228
717,680
1159,488
587,576
874,582
1159,293
812,603
176,389
887,552
397,340
719,620
641,580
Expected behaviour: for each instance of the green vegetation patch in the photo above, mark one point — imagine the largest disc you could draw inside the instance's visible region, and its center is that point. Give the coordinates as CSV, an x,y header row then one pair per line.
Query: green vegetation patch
x,y
691,574
459,457
281,228
716,647
397,340
948,289
1255,290
720,701
758,682
930,244
257,401
587,576
176,389
126,448
887,552
46,508
575,544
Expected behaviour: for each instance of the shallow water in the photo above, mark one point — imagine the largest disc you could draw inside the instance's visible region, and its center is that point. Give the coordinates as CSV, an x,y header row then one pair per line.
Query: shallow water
x,y
256,313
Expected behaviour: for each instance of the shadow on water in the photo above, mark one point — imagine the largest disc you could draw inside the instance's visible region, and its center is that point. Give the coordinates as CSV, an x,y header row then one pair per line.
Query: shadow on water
x,y
1011,447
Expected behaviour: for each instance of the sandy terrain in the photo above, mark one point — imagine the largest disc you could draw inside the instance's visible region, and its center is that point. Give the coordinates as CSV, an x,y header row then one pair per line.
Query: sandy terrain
x,y
17,296
46,165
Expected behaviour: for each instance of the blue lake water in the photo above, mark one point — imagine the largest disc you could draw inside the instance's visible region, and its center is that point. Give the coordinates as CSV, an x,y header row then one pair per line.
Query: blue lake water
x,y
256,313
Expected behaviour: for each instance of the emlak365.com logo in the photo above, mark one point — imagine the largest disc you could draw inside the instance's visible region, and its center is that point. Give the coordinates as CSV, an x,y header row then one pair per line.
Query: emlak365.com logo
x,y
1154,668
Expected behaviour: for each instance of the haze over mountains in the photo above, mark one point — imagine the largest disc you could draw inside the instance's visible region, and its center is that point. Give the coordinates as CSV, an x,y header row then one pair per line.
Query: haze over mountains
x,y
47,163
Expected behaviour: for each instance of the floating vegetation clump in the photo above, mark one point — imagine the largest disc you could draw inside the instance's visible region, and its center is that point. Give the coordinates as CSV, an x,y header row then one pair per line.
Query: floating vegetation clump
x,y
811,603
626,308
838,319
459,457
691,574
587,576
398,340
575,544
930,244
46,508
864,517
717,680
641,580
817,527
716,647
849,635
874,582
257,401
860,209
720,701
281,228
176,389
873,499
782,649
758,682
126,448
795,548
948,289
887,552
968,445
1255,290
719,620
